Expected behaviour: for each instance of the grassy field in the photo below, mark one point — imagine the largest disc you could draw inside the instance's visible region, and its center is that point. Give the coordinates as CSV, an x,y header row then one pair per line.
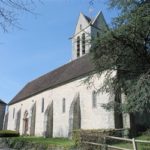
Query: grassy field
x,y
64,142
140,146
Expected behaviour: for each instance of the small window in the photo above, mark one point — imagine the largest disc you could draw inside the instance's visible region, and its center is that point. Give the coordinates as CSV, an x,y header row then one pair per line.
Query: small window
x,y
83,43
97,34
13,113
64,105
42,110
80,26
94,99
78,46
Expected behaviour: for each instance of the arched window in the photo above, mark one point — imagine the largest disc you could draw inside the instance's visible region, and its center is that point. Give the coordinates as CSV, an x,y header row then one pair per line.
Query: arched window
x,y
78,46
42,110
63,105
94,99
13,113
83,43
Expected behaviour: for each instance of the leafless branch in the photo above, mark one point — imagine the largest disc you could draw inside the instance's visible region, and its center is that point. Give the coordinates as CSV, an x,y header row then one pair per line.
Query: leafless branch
x,y
9,10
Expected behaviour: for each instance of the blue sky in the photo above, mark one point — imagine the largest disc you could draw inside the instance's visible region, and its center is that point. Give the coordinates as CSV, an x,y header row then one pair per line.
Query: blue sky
x,y
43,43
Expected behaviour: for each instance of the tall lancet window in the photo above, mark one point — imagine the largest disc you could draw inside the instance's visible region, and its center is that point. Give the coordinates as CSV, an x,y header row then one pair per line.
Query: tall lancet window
x,y
63,105
83,43
42,108
78,46
13,113
94,99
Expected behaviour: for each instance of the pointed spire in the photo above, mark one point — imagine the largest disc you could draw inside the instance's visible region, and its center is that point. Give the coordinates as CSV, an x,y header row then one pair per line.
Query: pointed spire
x,y
98,14
88,19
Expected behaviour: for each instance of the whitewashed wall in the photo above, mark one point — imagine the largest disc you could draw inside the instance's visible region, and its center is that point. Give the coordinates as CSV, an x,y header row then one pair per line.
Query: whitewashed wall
x,y
91,118
86,28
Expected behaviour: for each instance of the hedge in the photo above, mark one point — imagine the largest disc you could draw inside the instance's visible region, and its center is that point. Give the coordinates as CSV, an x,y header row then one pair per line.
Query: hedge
x,y
97,136
9,133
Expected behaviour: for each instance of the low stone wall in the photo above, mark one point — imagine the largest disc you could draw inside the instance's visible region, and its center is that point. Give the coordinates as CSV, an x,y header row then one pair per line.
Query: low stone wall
x,y
24,145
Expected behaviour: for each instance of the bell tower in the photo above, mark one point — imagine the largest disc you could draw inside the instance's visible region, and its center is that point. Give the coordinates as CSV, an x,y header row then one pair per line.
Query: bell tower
x,y
86,30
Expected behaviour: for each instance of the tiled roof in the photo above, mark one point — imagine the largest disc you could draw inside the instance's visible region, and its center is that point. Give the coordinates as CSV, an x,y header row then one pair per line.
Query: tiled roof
x,y
66,73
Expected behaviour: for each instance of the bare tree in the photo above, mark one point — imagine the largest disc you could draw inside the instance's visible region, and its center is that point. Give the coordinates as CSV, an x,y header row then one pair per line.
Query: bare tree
x,y
10,9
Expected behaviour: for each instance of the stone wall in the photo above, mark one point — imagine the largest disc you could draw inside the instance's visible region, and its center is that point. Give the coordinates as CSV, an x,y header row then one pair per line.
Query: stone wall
x,y
89,117
48,121
5,124
81,27
2,113
33,119
18,118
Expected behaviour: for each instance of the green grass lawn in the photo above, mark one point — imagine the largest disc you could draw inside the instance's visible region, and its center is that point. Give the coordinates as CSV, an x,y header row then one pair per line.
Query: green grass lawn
x,y
64,142
141,146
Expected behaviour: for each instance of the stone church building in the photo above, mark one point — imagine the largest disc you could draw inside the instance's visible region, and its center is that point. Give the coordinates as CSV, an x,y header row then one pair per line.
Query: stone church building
x,y
58,102
2,113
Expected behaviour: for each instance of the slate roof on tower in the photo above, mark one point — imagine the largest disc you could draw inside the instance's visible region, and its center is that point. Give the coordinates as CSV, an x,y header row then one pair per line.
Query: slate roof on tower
x,y
87,18
64,74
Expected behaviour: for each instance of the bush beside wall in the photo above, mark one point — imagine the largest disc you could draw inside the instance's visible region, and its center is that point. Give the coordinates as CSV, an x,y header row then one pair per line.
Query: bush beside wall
x,y
9,133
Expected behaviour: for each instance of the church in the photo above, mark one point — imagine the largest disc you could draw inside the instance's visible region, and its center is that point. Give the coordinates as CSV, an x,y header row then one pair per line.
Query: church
x,y
59,102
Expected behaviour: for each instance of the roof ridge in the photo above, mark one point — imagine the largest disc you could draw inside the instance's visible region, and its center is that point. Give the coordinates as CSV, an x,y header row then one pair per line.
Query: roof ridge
x,y
62,75
87,18
57,68
100,13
